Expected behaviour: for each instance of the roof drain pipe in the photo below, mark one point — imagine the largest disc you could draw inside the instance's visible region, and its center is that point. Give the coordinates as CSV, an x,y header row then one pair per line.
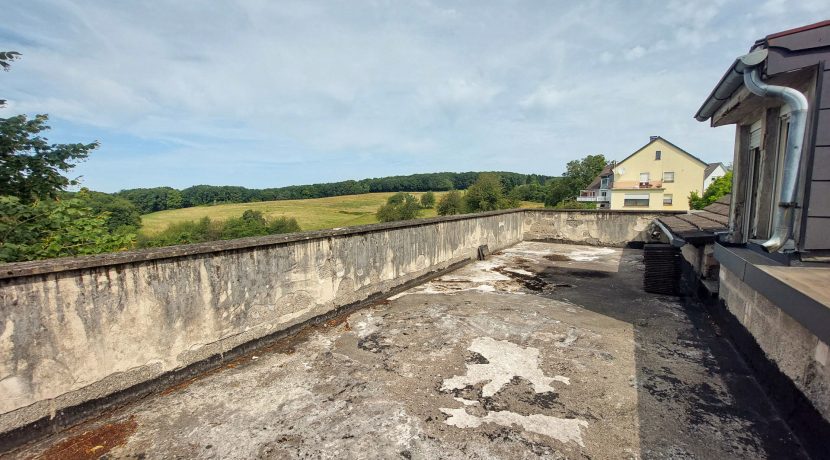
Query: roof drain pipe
x,y
783,219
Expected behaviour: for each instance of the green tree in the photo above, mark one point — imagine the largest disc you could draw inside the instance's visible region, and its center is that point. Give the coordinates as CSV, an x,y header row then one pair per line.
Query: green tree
x,y
486,194
529,192
450,204
174,199
717,189
55,228
30,167
400,206
6,58
428,200
578,174
123,216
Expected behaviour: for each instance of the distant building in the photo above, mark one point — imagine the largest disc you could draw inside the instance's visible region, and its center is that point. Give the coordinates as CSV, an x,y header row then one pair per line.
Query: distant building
x,y
659,175
713,171
599,191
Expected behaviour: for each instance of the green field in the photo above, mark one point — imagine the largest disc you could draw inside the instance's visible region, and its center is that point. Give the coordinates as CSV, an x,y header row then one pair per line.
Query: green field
x,y
311,214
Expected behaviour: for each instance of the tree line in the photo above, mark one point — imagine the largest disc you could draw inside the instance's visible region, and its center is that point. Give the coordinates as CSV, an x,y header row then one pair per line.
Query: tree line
x,y
149,200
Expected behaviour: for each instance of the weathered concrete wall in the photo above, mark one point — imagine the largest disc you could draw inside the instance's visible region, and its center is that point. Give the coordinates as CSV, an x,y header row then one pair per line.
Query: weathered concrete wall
x,y
595,227
702,259
71,332
797,352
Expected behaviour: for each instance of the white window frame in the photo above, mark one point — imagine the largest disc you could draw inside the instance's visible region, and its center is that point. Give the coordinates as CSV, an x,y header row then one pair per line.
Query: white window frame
x,y
665,177
629,200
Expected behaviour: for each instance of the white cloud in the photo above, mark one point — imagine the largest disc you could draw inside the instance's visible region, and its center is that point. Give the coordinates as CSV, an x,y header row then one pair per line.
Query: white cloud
x,y
309,91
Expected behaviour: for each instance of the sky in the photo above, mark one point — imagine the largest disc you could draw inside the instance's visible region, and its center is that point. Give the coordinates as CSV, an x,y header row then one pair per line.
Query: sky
x,y
272,93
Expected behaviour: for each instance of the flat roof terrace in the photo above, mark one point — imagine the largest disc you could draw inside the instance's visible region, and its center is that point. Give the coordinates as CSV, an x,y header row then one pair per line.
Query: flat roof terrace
x,y
541,350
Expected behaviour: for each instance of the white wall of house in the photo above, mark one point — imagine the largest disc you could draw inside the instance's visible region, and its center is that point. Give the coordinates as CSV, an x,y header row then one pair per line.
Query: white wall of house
x,y
718,172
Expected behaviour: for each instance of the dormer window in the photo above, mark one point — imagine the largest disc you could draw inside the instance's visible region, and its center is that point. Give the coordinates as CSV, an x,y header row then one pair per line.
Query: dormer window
x,y
657,155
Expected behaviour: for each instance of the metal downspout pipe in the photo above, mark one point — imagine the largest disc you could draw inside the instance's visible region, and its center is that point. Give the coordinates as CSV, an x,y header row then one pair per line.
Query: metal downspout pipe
x,y
783,218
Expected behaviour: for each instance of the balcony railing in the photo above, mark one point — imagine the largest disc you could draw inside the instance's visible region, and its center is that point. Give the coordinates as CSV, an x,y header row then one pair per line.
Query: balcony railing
x,y
628,185
593,195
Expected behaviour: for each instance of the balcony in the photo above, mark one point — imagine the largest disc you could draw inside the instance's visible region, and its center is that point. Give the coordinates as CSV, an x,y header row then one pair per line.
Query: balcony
x,y
637,185
594,196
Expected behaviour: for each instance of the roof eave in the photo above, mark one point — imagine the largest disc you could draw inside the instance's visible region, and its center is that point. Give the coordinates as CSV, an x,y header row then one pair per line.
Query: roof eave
x,y
731,81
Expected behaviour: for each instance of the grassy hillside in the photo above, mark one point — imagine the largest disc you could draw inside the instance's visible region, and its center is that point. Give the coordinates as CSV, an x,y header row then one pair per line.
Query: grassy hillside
x,y
311,214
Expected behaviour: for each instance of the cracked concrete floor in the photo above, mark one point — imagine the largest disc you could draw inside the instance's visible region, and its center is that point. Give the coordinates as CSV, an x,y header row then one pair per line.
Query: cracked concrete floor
x,y
543,350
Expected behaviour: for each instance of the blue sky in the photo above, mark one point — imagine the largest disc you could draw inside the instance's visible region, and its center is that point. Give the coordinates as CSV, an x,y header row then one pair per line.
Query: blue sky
x,y
266,93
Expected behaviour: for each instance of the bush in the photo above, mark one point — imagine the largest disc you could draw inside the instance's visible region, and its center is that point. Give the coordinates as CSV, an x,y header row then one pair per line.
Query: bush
x,y
573,204
428,200
529,192
252,223
123,214
55,228
450,204
716,190
400,206
487,194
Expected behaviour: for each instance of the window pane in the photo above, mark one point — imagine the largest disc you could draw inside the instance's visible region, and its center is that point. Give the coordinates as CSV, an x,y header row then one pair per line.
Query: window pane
x,y
667,198
657,155
644,177
668,176
636,200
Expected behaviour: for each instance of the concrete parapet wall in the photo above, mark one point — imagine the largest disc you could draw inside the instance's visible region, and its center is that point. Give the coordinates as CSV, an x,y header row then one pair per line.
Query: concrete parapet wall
x,y
75,331
71,333
796,351
594,227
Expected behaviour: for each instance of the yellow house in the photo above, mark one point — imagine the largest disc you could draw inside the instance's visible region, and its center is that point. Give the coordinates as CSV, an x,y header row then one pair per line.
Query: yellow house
x,y
660,175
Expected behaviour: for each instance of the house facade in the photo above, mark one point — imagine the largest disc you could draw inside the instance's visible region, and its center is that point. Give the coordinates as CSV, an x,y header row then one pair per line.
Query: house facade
x,y
658,176
713,171
774,256
599,191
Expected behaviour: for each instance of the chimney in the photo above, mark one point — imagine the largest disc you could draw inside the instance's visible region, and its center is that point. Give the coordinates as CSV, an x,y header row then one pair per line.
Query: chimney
x,y
652,138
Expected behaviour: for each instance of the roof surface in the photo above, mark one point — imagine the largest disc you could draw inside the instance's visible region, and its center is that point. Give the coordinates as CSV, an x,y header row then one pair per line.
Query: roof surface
x,y
656,138
700,225
541,351
606,171
804,38
798,30
711,168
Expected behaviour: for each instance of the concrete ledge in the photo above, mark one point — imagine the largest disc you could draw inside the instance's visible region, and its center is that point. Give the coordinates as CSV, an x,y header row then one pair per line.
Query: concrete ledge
x,y
806,422
744,263
78,413
40,267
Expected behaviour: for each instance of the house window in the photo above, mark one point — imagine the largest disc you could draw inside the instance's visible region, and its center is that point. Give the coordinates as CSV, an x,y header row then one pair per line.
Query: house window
x,y
668,176
657,155
667,199
644,178
603,183
635,200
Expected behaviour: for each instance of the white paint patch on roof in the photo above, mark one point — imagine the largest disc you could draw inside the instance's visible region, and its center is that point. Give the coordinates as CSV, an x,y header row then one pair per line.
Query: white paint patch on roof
x,y
561,429
368,324
466,402
506,360
590,254
520,271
